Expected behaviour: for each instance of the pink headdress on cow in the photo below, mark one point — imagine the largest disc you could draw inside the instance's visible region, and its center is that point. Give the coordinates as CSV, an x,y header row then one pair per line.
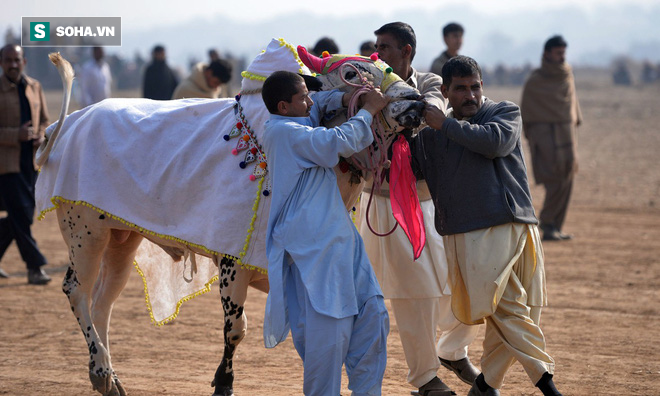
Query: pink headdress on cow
x,y
403,191
328,62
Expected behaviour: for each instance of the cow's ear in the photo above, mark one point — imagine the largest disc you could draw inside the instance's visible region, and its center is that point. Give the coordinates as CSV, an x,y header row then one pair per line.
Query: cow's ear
x,y
312,83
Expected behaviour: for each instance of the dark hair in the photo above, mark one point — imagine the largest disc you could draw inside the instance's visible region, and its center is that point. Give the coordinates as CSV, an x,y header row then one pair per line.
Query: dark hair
x,y
368,46
325,44
451,28
158,48
279,86
8,46
459,66
222,69
402,32
553,42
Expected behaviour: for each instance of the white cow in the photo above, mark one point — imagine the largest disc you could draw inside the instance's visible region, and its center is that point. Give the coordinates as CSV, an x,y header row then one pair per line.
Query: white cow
x,y
155,181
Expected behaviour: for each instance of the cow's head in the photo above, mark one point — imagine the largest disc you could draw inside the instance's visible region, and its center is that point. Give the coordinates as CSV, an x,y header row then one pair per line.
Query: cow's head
x,y
345,71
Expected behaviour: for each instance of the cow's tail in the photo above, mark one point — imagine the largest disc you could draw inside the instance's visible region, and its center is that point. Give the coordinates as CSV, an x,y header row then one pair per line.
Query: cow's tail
x,y
66,73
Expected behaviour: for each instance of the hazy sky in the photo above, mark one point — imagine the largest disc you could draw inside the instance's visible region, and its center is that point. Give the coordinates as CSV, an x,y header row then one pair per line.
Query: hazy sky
x,y
509,31
138,15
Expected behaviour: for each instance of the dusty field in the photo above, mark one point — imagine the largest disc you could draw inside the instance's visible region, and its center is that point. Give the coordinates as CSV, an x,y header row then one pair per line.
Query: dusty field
x,y
602,324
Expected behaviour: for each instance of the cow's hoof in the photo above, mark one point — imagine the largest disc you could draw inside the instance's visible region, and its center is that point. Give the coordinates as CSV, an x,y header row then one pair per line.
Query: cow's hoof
x,y
101,383
118,386
107,385
224,391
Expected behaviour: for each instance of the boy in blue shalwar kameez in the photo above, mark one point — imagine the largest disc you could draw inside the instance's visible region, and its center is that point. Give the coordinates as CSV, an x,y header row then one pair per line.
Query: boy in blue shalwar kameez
x,y
322,286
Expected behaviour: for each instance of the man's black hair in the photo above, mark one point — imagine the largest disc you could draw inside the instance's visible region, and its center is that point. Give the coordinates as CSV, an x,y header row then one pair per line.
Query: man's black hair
x,y
158,48
451,28
6,47
222,69
280,86
553,42
325,44
402,32
368,46
459,66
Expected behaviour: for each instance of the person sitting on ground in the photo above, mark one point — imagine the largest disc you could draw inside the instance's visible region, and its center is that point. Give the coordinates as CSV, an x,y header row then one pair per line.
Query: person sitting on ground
x,y
204,81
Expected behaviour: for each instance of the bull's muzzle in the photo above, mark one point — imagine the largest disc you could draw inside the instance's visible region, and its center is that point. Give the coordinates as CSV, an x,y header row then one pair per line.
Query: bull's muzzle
x,y
412,116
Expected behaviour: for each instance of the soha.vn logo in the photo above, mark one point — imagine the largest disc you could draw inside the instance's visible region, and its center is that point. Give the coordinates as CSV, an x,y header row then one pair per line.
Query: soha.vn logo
x,y
40,31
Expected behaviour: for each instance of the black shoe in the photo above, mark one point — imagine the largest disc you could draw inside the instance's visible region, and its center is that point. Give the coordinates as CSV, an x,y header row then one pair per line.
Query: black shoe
x,y
463,368
37,277
434,387
557,236
565,237
3,274
474,391
553,234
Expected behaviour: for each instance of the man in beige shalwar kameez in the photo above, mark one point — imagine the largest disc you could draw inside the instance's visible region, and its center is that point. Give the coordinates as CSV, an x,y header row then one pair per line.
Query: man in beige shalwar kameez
x,y
419,290
204,81
473,164
551,114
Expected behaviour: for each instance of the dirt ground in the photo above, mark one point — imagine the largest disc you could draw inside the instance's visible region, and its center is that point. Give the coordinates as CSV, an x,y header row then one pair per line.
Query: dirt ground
x,y
602,324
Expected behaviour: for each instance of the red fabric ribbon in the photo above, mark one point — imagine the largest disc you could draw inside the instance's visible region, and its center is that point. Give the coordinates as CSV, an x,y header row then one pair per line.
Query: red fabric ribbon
x,y
403,196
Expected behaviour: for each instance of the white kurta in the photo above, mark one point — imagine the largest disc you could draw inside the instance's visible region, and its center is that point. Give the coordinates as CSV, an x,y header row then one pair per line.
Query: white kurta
x,y
392,256
94,80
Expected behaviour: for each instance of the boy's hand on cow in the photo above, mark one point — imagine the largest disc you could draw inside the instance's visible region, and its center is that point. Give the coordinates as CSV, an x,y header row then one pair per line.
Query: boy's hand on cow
x,y
375,101
434,116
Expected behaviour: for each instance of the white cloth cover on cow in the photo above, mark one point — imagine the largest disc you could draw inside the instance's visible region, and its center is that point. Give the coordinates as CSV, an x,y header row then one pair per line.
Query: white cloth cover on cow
x,y
165,168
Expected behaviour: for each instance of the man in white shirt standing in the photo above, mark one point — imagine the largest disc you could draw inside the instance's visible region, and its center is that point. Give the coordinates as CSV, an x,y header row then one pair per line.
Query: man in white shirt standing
x,y
419,291
94,79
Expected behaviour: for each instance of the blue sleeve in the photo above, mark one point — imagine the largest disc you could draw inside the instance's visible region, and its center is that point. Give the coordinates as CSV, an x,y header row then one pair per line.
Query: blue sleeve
x,y
325,102
322,146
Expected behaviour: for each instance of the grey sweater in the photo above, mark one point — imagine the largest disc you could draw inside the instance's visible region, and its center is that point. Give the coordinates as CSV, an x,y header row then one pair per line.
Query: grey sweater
x,y
475,170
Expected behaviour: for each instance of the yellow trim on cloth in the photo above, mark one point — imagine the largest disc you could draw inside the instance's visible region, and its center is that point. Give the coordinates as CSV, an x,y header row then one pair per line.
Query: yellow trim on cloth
x,y
206,289
58,200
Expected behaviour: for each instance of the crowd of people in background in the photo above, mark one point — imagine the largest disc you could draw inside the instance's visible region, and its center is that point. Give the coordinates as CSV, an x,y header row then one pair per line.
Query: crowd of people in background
x,y
128,73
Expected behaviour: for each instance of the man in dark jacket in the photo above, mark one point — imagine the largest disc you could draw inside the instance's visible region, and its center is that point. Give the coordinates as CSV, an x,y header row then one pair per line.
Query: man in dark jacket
x,y
23,120
473,163
159,80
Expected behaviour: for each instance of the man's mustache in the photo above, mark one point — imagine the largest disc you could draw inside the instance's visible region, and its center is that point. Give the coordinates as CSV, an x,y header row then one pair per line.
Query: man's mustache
x,y
470,102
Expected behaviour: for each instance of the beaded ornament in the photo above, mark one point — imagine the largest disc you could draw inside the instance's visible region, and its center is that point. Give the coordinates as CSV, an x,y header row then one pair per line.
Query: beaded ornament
x,y
247,141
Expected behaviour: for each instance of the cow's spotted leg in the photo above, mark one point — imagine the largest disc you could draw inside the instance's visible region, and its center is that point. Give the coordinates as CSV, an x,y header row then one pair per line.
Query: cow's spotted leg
x,y
234,282
86,238
115,270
